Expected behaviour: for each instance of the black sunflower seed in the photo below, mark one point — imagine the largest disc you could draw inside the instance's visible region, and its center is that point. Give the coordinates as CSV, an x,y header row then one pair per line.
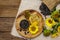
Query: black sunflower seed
x,y
20,29
25,33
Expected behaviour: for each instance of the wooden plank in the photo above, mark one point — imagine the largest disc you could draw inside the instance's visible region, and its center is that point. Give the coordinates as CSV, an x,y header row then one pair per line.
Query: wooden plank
x,y
8,36
8,12
9,8
10,2
6,24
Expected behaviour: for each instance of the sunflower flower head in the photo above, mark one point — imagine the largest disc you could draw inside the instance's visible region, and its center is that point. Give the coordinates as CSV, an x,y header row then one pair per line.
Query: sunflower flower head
x,y
49,23
33,29
58,29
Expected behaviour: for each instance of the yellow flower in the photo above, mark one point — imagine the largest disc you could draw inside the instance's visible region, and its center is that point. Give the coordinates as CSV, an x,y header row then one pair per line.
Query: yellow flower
x,y
54,35
34,17
50,22
33,29
35,23
58,29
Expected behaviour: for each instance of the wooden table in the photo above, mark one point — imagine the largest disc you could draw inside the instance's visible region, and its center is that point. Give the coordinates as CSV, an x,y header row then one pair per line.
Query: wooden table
x,y
8,11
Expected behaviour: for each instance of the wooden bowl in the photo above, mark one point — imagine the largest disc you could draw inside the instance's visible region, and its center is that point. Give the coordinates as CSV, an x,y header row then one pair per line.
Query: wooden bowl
x,y
29,35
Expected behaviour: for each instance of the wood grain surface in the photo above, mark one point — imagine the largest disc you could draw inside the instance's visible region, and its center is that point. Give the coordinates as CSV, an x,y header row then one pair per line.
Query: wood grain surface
x,y
8,11
51,3
6,25
9,8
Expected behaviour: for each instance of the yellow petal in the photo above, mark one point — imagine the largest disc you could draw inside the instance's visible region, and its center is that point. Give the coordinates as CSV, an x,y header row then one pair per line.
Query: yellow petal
x,y
34,17
58,29
33,29
50,22
54,35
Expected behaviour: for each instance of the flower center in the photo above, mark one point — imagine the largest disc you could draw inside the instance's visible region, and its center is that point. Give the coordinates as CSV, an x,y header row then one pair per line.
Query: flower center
x,y
50,21
33,28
